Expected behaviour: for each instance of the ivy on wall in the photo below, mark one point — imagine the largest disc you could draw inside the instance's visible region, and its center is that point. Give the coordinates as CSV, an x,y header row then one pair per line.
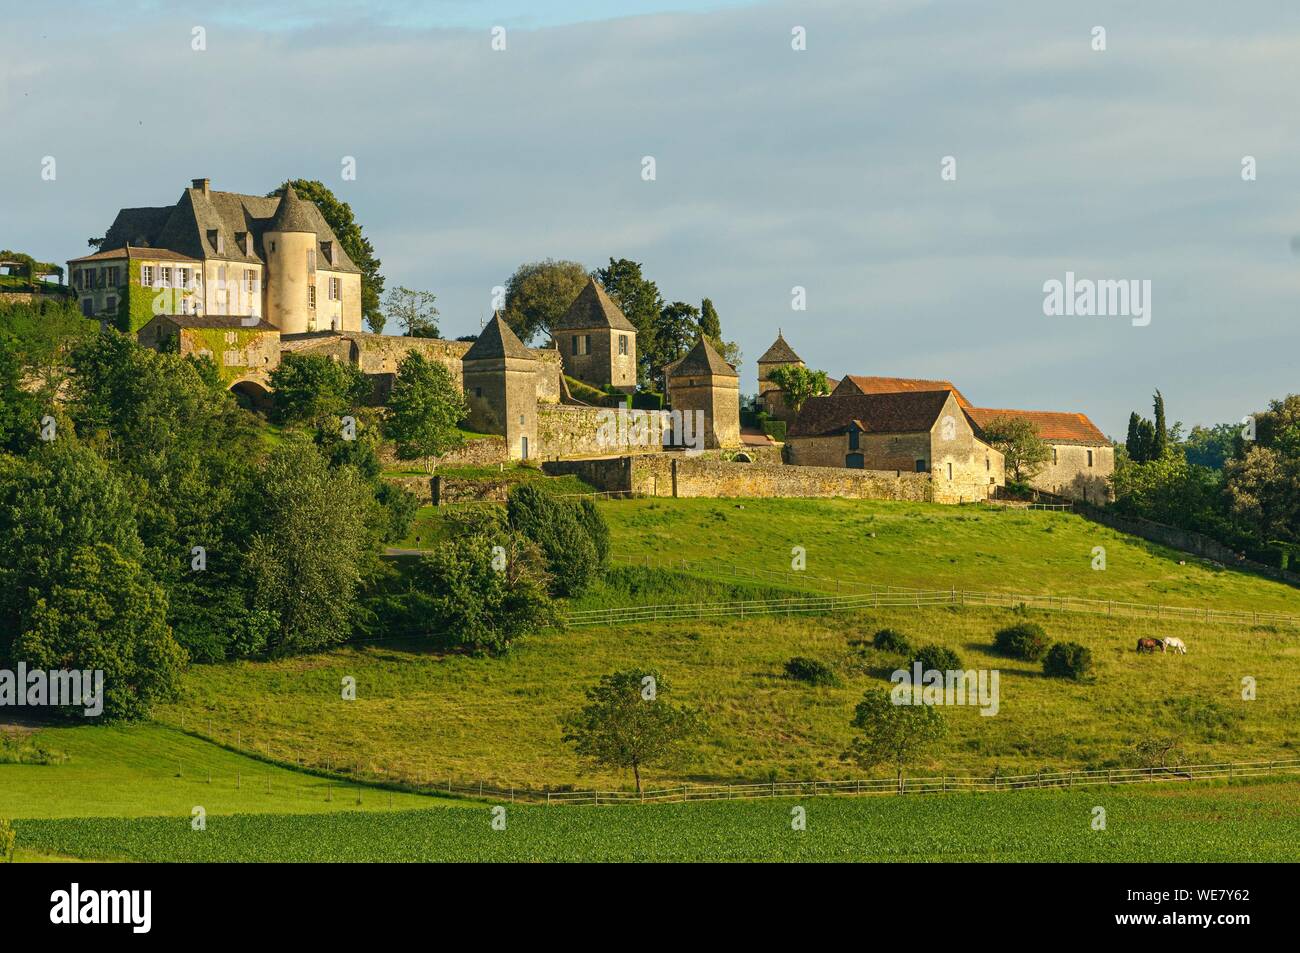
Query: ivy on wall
x,y
135,306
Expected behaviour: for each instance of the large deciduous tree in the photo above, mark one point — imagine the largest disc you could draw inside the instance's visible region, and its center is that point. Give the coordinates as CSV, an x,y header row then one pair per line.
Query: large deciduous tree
x,y
311,549
892,734
424,408
626,723
539,293
1024,450
413,311
798,383
309,388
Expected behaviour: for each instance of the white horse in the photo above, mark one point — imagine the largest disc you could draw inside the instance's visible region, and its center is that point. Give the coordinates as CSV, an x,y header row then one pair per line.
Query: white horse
x,y
1175,645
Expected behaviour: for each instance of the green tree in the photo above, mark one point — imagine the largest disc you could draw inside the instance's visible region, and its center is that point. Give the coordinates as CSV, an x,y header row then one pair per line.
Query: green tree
x,y
798,383
312,547
61,499
573,538
539,293
484,592
674,333
1212,446
311,387
424,409
626,723
1161,442
892,734
1024,451
338,215
110,616
19,409
711,328
413,311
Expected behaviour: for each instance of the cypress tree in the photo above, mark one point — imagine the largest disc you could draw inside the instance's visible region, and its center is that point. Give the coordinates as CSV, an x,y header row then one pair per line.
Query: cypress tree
x,y
1161,441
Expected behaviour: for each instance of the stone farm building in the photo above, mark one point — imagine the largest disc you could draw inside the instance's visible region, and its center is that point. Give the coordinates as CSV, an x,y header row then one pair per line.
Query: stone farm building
x,y
247,280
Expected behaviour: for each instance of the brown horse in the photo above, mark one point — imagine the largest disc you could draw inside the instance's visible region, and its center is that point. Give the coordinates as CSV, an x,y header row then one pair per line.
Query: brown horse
x,y
1150,645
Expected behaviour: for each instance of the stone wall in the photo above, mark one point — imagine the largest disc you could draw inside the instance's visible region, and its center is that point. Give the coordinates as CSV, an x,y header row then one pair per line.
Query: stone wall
x,y
479,452
675,474
570,431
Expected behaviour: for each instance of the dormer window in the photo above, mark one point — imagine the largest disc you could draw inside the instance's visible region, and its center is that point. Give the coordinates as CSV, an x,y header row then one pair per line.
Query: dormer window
x,y
327,248
853,436
217,240
245,240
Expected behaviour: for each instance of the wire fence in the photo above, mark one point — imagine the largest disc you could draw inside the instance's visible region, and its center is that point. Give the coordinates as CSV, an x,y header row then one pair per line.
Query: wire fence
x,y
931,785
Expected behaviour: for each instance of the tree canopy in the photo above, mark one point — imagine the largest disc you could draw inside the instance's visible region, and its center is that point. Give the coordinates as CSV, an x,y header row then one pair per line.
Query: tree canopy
x,y
539,293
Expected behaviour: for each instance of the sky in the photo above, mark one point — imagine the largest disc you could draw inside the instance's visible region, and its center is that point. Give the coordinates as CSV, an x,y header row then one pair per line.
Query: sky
x,y
775,168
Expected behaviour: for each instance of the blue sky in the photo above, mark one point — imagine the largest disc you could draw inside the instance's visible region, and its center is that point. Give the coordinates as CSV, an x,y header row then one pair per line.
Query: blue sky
x,y
775,168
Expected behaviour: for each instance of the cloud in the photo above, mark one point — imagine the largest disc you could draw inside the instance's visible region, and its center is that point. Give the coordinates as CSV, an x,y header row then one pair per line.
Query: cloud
x,y
775,168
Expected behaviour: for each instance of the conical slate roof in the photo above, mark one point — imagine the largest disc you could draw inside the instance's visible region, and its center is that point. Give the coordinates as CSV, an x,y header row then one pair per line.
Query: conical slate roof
x,y
496,341
593,309
702,360
293,214
780,353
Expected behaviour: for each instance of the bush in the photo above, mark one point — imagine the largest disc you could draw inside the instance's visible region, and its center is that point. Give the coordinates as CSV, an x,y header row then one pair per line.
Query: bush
x,y
891,640
811,671
1068,660
1024,640
7,838
938,658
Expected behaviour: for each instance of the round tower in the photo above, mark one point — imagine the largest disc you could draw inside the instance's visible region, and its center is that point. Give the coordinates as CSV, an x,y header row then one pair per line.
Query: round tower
x,y
289,244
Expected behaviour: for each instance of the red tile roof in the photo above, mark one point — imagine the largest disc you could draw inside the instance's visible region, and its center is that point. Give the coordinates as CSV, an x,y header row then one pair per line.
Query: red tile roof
x,y
1053,426
857,384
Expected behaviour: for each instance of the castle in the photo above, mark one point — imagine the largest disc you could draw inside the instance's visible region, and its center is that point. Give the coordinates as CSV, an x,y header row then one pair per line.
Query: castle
x,y
246,280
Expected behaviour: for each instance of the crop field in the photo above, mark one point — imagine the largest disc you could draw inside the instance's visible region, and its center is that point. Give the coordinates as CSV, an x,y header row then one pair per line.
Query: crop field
x,y
1242,822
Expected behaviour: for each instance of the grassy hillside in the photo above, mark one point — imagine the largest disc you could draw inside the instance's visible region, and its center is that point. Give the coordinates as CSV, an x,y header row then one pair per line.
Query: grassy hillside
x,y
929,546
1255,822
423,716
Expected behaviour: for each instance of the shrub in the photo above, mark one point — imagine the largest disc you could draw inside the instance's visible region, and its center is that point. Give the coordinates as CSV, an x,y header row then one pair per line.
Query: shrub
x,y
1024,640
7,838
937,657
1068,660
891,640
810,670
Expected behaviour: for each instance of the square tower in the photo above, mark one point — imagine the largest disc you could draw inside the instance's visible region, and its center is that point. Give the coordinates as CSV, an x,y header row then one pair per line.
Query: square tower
x,y
500,377
703,381
597,343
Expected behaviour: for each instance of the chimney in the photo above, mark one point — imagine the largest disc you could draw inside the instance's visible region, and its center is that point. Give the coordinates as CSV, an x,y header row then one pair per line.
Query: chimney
x,y
201,184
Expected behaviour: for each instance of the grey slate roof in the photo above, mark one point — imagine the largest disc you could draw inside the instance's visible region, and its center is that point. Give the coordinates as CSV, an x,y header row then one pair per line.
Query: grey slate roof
x,y
187,227
593,308
701,361
780,353
497,341
292,214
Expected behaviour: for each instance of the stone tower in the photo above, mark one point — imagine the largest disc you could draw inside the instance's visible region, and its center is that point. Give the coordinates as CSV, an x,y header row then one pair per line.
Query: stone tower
x,y
703,381
500,377
780,354
597,343
289,244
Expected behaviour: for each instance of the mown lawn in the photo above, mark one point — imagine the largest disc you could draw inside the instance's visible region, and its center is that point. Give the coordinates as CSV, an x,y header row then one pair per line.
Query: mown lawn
x,y
1189,823
103,770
